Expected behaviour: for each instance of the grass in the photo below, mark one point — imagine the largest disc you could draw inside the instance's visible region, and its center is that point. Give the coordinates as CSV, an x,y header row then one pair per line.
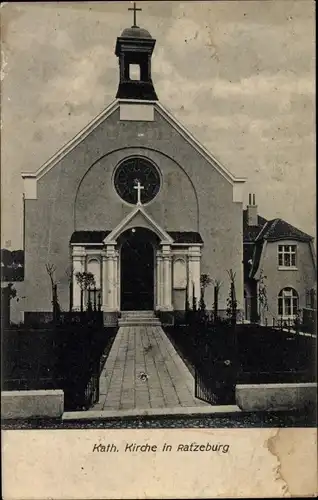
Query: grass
x,y
63,358
264,355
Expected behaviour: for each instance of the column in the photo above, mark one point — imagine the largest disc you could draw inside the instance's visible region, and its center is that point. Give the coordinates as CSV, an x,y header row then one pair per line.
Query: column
x,y
78,260
167,278
110,268
116,280
159,280
194,274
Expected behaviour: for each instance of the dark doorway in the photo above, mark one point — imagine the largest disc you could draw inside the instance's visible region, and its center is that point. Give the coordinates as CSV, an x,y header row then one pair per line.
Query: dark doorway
x,y
137,269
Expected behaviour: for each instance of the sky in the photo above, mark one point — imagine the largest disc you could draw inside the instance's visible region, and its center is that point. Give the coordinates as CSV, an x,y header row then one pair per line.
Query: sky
x,y
239,75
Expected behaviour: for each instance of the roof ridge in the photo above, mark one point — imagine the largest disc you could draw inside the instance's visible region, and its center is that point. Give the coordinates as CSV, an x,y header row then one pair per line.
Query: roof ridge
x,y
262,229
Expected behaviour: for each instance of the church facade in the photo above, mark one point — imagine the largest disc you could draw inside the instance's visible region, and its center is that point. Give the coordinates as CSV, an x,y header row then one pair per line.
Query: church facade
x,y
137,201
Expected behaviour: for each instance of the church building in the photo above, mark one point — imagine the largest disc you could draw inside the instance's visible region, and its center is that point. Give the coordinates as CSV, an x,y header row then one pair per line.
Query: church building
x,y
136,200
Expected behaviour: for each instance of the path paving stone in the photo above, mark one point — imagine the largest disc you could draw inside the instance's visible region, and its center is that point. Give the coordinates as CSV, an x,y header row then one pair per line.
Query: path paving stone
x,y
143,370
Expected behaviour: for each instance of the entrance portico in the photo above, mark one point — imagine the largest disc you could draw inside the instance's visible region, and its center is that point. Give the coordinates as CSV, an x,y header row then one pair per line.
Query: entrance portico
x,y
140,265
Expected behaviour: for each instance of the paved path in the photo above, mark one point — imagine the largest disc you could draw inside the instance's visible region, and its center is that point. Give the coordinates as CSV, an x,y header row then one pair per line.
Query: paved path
x,y
139,350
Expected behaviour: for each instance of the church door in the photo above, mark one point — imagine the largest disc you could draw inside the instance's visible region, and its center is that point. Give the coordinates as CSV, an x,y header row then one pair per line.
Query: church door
x,y
137,271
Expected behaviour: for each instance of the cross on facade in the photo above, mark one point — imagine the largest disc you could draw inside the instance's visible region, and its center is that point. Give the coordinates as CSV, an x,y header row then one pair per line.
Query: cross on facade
x,y
135,9
139,188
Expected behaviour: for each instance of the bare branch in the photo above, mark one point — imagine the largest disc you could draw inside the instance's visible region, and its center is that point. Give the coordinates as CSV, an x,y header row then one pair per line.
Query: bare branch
x,y
50,269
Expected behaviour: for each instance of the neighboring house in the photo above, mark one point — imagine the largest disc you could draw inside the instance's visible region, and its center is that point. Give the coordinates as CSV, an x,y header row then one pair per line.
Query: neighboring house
x,y
279,268
12,278
12,265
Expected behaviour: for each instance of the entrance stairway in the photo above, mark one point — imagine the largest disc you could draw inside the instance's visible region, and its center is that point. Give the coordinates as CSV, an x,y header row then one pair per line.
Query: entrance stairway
x,y
136,318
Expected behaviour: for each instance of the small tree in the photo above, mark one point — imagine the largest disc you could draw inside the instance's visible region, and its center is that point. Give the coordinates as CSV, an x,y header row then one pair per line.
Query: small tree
x,y
69,276
217,286
85,281
262,296
297,320
50,269
187,307
194,299
231,301
205,281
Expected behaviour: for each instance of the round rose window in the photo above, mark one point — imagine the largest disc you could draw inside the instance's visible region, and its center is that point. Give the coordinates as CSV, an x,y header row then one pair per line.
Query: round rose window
x,y
137,179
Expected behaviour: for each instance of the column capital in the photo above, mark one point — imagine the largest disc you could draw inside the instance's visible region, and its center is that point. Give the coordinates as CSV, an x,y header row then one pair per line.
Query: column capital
x,y
166,249
194,251
110,251
78,251
166,257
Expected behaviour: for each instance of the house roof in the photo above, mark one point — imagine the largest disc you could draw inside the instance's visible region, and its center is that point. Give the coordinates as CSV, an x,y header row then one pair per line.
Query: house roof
x,y
273,230
279,229
251,232
257,253
254,238
97,237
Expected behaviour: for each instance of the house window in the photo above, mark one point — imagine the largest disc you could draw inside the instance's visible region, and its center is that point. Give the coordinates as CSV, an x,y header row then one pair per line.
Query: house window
x,y
287,255
287,303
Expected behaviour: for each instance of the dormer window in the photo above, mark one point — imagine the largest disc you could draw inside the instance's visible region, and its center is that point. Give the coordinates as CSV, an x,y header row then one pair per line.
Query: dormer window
x,y
287,256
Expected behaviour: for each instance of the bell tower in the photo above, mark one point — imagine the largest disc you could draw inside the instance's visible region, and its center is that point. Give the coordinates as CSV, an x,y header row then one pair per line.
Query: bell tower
x,y
134,49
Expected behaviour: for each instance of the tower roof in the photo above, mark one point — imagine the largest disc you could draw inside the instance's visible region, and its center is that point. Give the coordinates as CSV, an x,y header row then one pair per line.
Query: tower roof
x,y
135,32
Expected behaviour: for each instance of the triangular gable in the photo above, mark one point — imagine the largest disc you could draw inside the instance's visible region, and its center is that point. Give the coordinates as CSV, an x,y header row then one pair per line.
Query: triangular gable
x,y
111,109
138,217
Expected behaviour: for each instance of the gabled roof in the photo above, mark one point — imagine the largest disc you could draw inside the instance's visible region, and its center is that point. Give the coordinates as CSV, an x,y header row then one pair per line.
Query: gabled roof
x,y
279,229
108,112
273,230
138,217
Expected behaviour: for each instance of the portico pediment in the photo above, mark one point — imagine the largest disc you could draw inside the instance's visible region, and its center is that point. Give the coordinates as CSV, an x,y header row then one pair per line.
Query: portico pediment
x,y
138,217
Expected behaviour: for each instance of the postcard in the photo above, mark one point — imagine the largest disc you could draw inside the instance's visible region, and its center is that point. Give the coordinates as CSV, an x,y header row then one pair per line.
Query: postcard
x,y
158,258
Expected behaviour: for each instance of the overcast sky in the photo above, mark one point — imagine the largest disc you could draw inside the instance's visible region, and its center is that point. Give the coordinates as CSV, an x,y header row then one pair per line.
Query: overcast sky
x,y
238,74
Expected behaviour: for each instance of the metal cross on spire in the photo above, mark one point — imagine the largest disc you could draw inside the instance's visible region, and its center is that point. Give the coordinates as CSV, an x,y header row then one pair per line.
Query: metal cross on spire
x,y
139,188
135,9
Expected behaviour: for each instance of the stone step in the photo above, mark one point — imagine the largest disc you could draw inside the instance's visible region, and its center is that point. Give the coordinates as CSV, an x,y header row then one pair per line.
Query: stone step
x,y
137,313
139,322
137,316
